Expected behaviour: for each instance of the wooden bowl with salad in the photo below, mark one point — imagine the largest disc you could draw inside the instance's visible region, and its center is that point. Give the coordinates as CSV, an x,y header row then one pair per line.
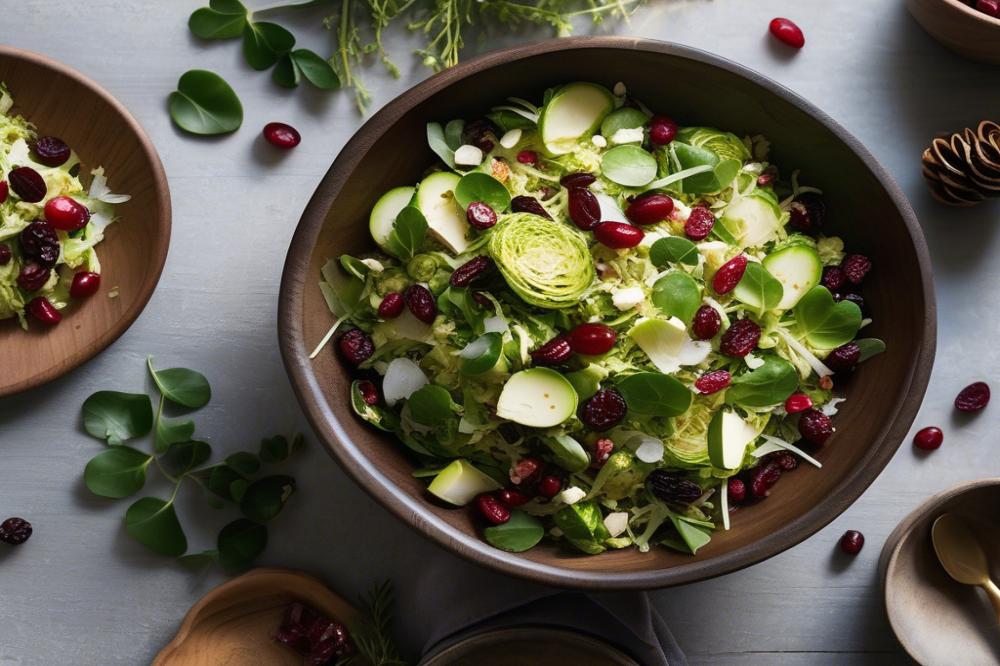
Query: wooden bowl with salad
x,y
84,219
608,313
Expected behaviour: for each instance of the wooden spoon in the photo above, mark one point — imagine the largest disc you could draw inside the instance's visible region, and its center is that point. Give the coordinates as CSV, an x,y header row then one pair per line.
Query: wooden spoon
x,y
962,556
235,624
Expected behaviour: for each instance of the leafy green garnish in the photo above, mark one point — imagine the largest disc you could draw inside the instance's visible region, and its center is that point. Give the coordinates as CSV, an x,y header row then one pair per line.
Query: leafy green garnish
x,y
677,294
759,289
205,104
479,186
768,385
825,323
654,394
629,165
522,532
118,472
116,417
869,347
222,19
153,522
673,250
182,386
239,544
300,64
409,232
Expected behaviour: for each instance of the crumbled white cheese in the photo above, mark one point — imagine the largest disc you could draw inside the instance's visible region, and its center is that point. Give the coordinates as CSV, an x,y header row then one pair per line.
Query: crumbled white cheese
x,y
616,522
627,298
511,138
753,361
599,141
467,155
627,135
571,495
832,407
610,210
495,325
373,264
619,90
650,451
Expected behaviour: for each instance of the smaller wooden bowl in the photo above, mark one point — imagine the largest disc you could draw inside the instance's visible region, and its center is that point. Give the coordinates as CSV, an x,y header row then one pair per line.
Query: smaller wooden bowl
x,y
61,102
961,28
235,623
938,621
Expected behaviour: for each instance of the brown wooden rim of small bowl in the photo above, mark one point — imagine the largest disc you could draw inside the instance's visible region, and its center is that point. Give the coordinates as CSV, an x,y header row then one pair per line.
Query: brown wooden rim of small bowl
x,y
960,6
162,240
360,468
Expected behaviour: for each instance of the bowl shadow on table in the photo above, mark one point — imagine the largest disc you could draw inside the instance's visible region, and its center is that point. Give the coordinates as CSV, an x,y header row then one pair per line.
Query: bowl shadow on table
x,y
919,73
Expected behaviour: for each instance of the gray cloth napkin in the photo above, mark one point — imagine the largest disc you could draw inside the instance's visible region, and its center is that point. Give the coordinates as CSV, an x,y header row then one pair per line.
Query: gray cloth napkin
x,y
626,620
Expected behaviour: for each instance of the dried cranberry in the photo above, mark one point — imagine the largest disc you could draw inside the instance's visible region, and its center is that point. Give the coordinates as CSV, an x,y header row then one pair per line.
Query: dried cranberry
x,y
420,301
356,346
989,7
798,402
592,339
391,305
787,32
480,215
492,509
833,278
618,235
784,459
765,180
281,135
928,438
649,208
42,309
852,298
707,322
5,254
762,478
4,191
699,223
513,497
40,243
581,179
85,284
482,300
973,397
826,383
528,157
815,426
713,382
526,471
604,410
33,276
736,490
740,339
526,204
481,133
603,449
852,542
549,486
50,151
368,391
844,357
554,352
856,267
66,213
470,270
662,130
15,531
729,274
673,488
27,184
807,213
584,208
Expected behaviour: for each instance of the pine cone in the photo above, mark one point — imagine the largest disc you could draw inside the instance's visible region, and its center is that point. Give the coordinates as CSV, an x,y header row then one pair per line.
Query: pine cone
x,y
964,169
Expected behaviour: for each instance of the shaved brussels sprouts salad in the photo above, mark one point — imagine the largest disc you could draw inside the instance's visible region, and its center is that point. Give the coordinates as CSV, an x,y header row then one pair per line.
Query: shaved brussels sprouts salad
x,y
593,325
49,222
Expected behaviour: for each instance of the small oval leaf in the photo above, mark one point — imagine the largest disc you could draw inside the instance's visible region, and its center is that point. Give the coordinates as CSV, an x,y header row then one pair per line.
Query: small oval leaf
x,y
522,532
205,104
153,523
115,416
117,472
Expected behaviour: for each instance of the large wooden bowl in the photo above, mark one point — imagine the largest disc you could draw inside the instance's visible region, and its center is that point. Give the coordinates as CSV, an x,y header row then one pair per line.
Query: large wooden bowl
x,y
959,27
865,206
62,102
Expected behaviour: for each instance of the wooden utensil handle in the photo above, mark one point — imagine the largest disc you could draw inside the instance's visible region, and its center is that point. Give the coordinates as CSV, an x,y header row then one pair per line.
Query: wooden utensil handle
x,y
993,592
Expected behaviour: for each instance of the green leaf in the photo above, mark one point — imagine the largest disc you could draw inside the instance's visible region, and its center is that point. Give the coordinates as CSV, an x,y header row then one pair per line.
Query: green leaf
x,y
453,133
239,544
567,452
315,69
677,294
354,266
692,536
479,186
654,394
439,144
198,561
117,472
244,462
824,323
381,418
115,417
722,174
759,289
187,388
431,405
626,117
629,165
522,532
409,232
171,432
286,73
222,20
264,43
768,385
583,526
205,104
343,292
219,480
183,457
264,498
869,347
673,250
153,523
508,120
238,489
481,355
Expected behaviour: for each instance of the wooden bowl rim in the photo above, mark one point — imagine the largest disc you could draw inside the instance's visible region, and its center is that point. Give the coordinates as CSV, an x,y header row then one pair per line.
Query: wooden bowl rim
x,y
161,240
890,551
415,514
972,12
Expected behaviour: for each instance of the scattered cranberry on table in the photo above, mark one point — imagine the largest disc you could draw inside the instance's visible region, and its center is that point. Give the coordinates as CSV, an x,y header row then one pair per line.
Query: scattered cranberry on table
x,y
618,235
282,135
42,309
592,339
85,284
15,531
852,542
786,32
973,397
66,214
928,438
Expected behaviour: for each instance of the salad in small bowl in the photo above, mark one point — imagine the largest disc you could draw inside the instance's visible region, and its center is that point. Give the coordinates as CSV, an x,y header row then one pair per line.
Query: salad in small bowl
x,y
591,325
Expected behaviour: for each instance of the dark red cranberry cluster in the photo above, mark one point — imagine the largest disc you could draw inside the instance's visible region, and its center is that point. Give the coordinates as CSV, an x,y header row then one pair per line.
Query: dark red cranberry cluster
x,y
310,633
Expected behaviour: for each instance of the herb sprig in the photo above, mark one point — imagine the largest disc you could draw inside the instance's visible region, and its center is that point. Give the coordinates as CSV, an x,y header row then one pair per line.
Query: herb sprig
x,y
371,632
121,471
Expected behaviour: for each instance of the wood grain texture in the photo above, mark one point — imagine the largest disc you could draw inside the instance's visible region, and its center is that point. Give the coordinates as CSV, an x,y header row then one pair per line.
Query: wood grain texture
x,y
705,90
964,30
61,102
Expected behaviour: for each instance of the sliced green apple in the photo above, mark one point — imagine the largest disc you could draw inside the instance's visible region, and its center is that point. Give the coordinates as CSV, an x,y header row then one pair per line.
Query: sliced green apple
x,y
667,343
728,437
385,211
538,398
798,268
445,218
576,110
460,482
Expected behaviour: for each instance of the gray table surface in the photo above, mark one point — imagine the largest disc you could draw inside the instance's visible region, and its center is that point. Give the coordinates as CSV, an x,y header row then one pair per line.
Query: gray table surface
x,y
81,592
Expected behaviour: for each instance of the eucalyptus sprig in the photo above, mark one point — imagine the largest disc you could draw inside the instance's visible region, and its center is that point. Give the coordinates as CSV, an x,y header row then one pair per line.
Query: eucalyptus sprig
x,y
120,470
